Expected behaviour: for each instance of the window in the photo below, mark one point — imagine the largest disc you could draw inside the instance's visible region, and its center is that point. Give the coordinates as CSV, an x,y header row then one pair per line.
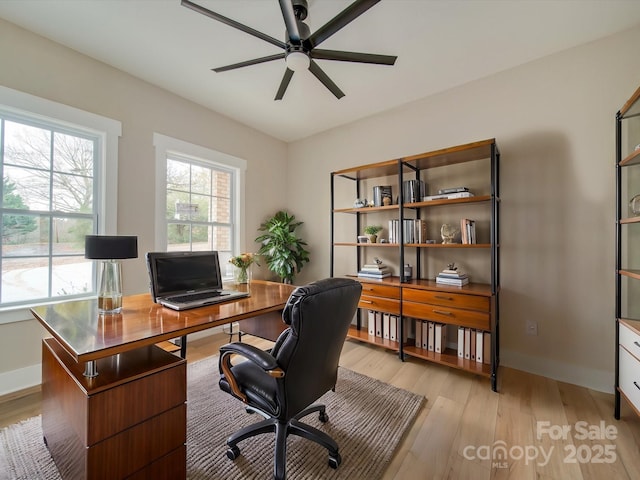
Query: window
x,y
54,181
200,197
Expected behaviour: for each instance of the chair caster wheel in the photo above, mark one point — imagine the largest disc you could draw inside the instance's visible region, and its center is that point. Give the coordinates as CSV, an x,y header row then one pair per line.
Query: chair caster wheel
x,y
335,461
233,453
323,417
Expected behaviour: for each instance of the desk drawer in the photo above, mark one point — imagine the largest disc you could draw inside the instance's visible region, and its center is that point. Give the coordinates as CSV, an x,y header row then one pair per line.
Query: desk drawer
x,y
629,379
378,290
380,304
630,340
473,302
456,316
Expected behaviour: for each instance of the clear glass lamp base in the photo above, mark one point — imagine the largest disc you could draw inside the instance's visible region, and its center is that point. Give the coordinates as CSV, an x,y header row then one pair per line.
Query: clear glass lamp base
x,y
110,287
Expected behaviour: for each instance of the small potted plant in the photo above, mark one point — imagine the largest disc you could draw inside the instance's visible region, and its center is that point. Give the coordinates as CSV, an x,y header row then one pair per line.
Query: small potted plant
x,y
372,232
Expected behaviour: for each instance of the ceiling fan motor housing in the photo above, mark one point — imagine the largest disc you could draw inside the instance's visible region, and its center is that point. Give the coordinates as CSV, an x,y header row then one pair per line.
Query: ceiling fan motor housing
x,y
300,9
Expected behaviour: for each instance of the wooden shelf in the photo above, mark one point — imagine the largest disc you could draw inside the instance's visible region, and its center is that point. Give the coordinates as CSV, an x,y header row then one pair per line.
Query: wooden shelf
x,y
481,289
448,245
366,209
449,358
630,273
450,156
356,244
449,201
630,220
632,159
363,336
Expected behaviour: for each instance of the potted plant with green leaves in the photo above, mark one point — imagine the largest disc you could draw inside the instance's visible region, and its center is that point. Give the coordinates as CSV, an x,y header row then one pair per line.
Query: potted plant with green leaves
x,y
372,232
281,248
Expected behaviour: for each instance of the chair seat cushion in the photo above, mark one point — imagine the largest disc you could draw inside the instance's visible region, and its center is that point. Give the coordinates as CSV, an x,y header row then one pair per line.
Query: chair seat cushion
x,y
259,387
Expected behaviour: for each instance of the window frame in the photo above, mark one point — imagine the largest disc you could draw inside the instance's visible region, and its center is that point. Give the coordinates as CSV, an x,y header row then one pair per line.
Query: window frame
x,y
34,109
168,147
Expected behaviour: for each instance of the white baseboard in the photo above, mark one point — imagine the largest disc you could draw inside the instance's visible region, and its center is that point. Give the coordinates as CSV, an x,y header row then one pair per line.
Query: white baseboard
x,y
27,377
20,379
600,380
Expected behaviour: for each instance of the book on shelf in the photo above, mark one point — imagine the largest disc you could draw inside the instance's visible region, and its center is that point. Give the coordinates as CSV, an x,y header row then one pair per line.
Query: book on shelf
x,y
418,341
461,342
479,346
386,325
376,269
379,275
447,196
371,322
431,337
393,328
440,333
413,231
444,191
456,282
468,231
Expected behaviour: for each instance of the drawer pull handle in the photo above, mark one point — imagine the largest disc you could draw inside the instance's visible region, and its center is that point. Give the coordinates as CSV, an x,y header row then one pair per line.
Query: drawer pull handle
x,y
366,301
442,297
636,384
636,344
441,312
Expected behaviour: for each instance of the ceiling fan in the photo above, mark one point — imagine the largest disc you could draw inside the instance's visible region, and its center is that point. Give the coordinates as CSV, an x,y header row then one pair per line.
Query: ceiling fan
x,y
300,46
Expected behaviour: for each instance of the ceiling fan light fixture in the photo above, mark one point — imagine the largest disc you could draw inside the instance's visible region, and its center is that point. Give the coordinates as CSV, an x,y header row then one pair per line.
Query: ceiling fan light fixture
x,y
298,61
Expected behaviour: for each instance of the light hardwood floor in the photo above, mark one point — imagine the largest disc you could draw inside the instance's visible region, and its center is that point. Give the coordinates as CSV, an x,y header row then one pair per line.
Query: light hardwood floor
x,y
464,427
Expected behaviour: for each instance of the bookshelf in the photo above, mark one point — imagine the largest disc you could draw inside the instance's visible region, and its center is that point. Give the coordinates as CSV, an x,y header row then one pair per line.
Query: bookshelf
x,y
420,298
627,271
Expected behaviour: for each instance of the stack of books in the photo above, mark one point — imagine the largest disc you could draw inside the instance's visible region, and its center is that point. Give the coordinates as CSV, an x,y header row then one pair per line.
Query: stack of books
x,y
452,277
374,270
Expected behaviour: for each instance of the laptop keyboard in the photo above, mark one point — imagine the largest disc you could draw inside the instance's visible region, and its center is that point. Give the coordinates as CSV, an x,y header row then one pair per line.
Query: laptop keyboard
x,y
194,296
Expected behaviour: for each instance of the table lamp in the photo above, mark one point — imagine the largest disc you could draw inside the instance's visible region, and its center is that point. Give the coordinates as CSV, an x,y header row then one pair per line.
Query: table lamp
x,y
110,250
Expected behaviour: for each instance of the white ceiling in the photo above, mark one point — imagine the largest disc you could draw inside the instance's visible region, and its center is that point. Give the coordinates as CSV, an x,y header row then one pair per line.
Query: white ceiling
x,y
439,44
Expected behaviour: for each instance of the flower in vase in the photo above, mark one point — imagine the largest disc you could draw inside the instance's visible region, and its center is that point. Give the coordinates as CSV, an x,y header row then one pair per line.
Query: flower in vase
x,y
244,260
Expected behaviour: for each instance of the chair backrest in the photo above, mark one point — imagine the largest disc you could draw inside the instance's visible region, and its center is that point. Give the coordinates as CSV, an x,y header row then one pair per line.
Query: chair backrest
x,y
318,315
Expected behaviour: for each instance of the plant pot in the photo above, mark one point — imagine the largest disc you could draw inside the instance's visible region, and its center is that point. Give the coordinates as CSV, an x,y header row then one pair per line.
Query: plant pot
x,y
373,238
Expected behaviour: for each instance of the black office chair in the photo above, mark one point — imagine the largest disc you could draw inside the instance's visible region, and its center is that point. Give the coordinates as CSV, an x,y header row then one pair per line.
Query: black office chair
x,y
283,382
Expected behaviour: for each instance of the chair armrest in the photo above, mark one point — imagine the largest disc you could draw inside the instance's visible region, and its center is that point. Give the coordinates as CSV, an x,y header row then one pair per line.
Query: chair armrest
x,y
261,358
256,356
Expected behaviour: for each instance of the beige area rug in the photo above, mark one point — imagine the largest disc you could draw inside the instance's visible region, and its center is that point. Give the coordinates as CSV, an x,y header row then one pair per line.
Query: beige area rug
x,y
367,418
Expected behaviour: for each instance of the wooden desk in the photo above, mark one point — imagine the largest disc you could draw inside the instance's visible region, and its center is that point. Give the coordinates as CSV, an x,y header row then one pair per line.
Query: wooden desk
x,y
128,421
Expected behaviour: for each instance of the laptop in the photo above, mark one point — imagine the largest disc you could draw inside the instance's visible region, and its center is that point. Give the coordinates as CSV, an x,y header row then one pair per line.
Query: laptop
x,y
184,280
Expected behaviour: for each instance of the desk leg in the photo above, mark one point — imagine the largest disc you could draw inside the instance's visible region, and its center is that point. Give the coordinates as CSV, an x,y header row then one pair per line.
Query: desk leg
x,y
91,369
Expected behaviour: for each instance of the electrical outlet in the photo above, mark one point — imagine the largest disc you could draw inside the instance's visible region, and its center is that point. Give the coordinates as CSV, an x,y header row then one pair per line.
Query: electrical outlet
x,y
531,327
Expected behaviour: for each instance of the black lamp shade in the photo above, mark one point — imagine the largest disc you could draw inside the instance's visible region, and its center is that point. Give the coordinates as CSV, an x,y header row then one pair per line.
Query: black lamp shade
x,y
106,247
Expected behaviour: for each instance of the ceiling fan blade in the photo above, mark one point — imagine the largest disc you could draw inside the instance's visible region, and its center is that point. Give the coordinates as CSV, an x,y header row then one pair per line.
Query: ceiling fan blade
x,y
247,63
349,14
290,20
288,73
324,78
233,23
340,56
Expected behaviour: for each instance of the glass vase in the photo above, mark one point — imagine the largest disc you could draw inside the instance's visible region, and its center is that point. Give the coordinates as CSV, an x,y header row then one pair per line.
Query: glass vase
x,y
242,275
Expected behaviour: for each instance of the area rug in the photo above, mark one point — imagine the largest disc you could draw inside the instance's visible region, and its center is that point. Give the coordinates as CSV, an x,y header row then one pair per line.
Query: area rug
x,y
367,418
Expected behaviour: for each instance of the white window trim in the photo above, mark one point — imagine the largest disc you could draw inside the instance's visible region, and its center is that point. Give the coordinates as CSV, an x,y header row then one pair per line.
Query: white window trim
x,y
165,146
109,131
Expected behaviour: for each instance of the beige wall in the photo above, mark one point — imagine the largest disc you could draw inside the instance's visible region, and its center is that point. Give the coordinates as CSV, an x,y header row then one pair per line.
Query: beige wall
x,y
34,65
553,120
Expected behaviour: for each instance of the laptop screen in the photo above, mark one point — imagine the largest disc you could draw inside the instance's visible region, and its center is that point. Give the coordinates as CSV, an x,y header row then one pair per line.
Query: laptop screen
x,y
180,272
